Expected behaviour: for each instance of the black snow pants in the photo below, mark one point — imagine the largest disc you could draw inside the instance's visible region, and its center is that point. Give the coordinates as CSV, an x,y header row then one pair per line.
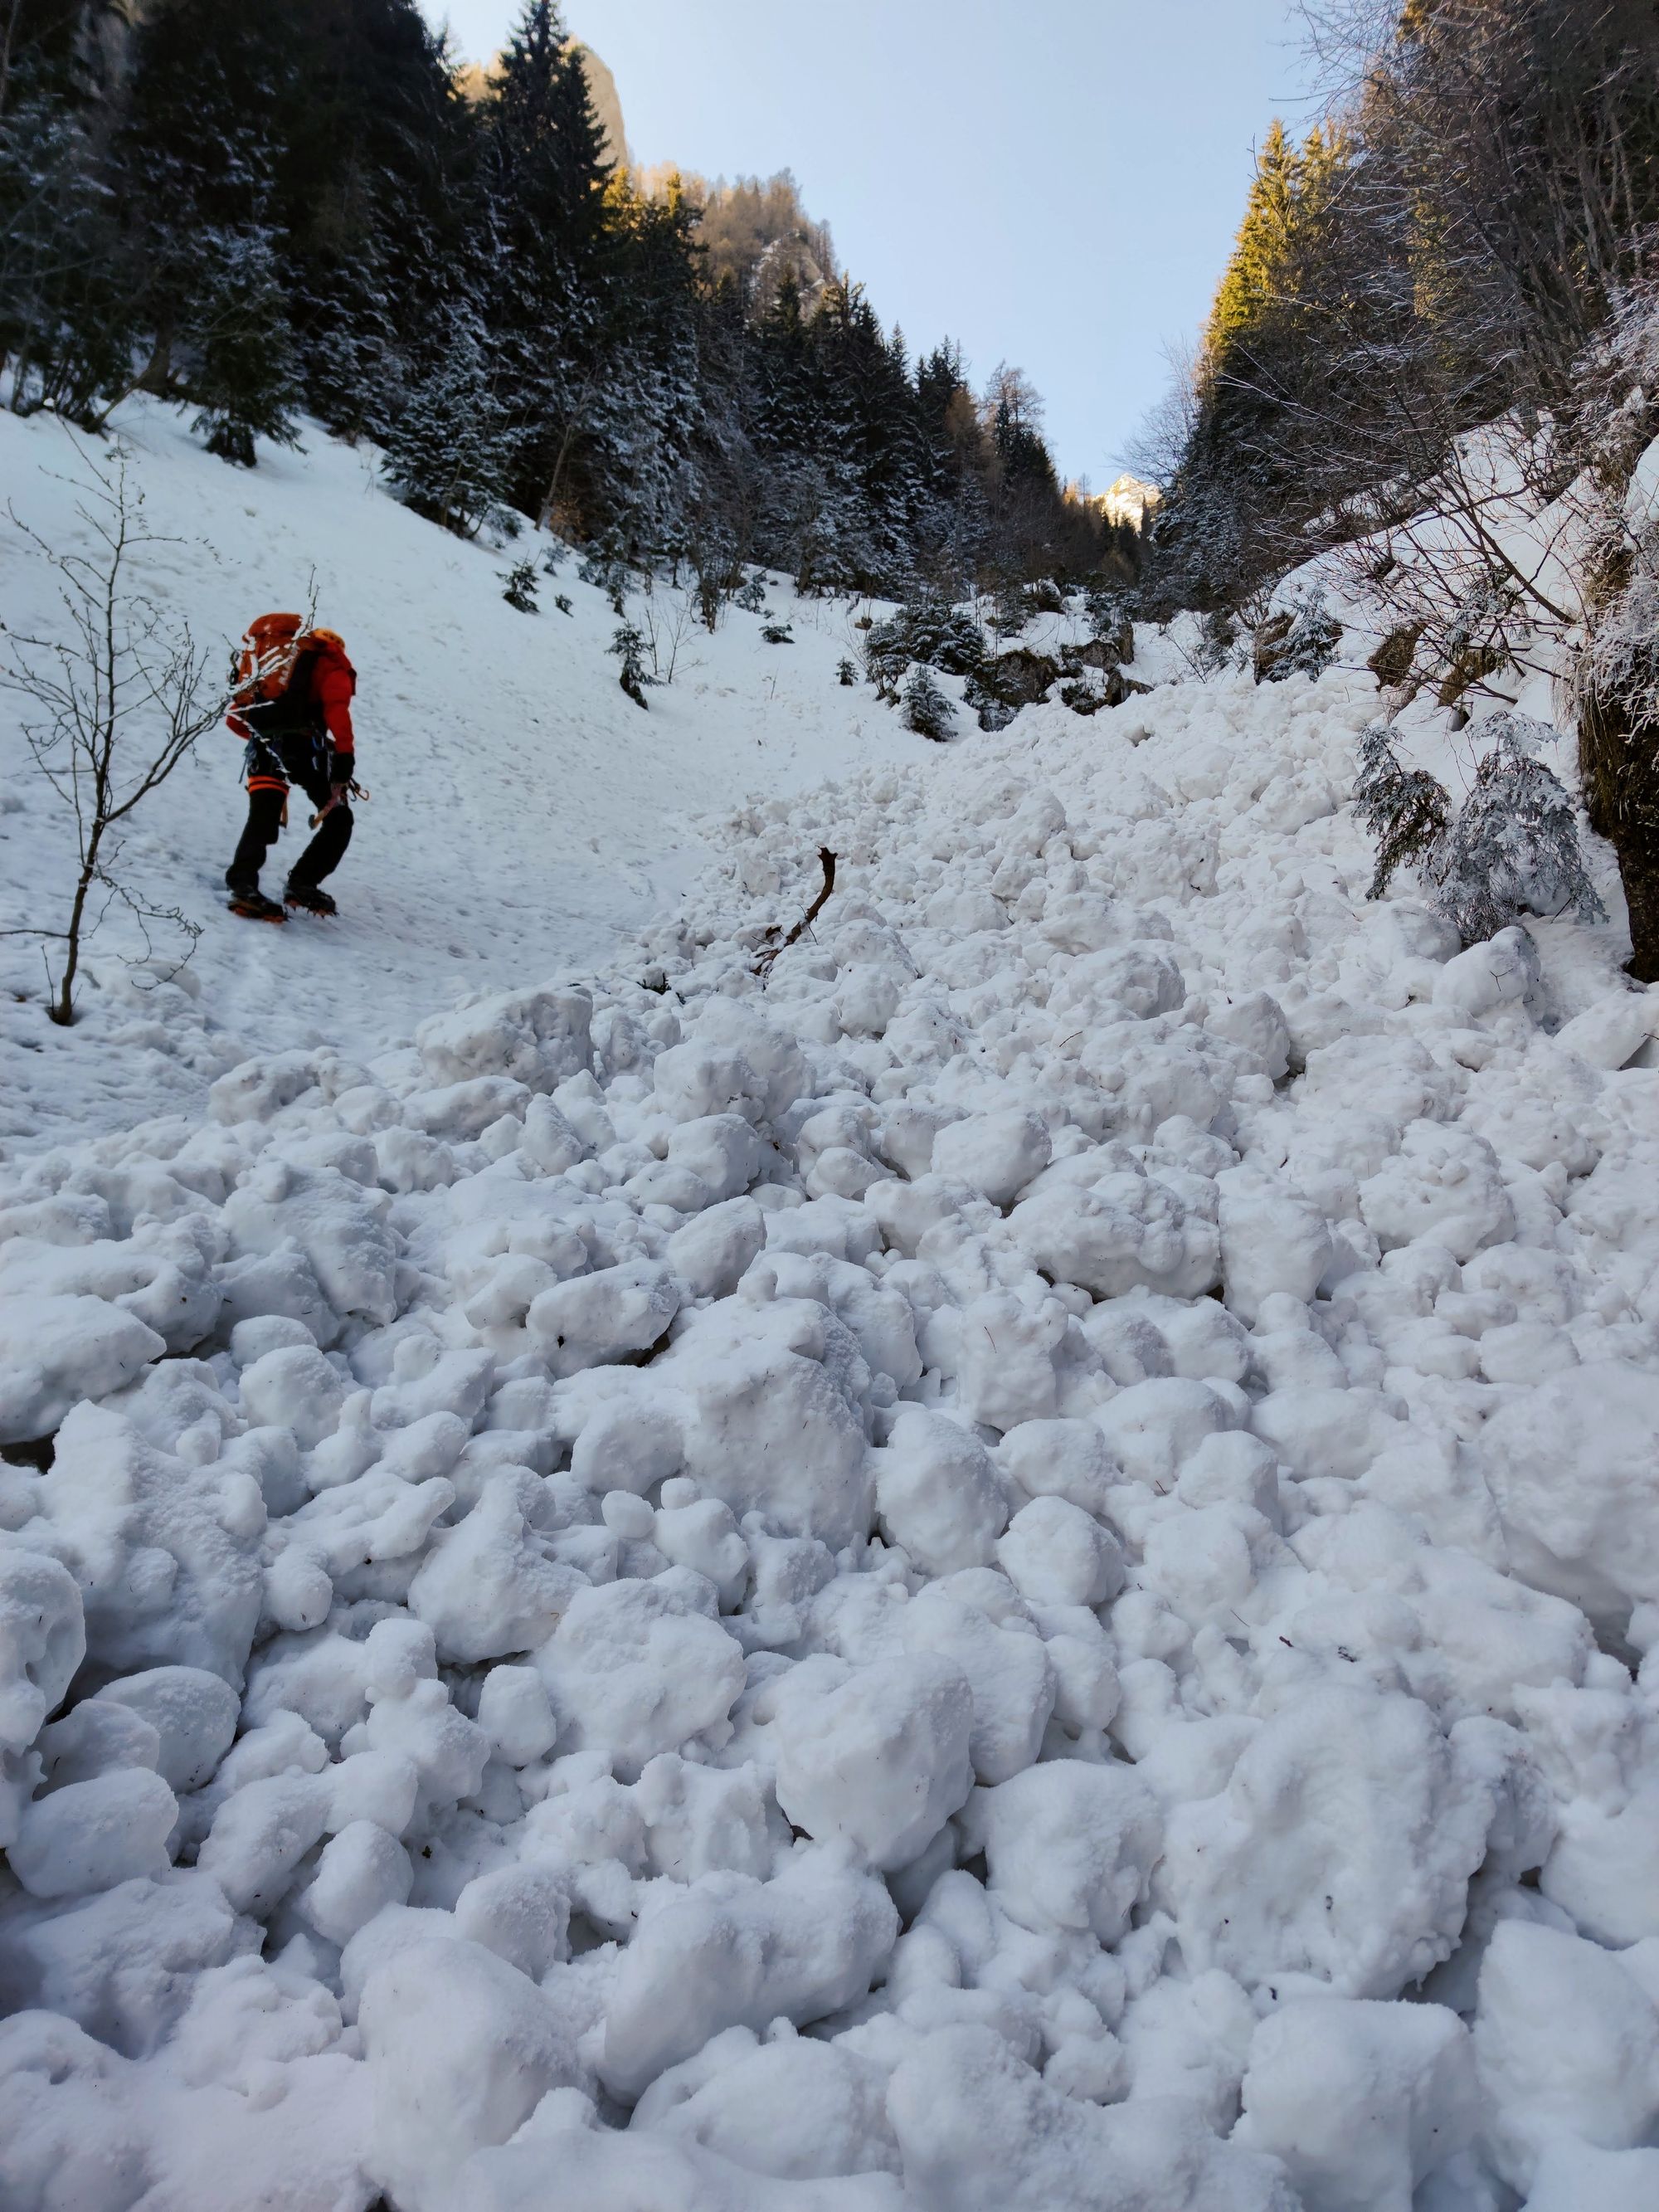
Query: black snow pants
x,y
273,763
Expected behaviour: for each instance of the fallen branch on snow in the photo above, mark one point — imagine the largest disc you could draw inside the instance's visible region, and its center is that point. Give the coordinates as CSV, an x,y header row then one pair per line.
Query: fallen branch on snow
x,y
774,944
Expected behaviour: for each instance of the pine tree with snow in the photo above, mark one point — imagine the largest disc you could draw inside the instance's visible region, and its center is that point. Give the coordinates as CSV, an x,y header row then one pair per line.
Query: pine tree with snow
x,y
245,378
194,166
628,646
522,584
1514,848
67,321
1404,809
1301,640
448,455
925,708
543,254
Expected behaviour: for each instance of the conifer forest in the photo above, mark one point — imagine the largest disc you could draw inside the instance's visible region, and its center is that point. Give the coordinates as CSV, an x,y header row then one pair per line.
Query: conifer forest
x,y
306,206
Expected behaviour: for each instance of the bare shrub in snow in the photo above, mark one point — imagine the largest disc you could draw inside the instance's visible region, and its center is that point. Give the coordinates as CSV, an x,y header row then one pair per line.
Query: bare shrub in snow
x,y
1622,664
665,615
116,699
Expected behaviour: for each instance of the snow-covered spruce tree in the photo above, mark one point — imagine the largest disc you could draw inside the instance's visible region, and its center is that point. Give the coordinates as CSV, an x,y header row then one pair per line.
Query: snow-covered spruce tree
x,y
926,709
544,263
347,344
194,168
448,454
66,321
1404,809
1111,621
1307,643
1217,635
628,646
928,629
1513,848
521,583
244,376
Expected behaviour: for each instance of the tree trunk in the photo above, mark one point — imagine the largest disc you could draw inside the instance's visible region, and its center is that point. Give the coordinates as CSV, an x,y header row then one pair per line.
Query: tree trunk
x,y
19,376
156,374
63,1013
1619,762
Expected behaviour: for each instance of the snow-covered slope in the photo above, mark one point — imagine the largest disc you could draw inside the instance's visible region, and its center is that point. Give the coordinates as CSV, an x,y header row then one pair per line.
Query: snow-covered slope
x,y
1002,1564
523,810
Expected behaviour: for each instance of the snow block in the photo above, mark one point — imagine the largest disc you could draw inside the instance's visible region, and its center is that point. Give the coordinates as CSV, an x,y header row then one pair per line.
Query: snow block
x,y
877,1756
461,2048
733,1951
166,1553
57,1350
539,1038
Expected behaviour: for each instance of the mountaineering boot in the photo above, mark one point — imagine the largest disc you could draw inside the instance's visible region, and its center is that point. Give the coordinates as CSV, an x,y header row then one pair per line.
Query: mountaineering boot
x,y
313,897
252,904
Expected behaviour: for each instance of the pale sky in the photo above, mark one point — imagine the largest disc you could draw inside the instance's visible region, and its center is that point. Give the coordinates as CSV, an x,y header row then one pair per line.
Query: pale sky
x,y
1056,185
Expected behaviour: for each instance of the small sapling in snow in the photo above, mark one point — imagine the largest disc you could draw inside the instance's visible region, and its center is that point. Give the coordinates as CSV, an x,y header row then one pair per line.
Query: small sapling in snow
x,y
115,700
628,646
520,591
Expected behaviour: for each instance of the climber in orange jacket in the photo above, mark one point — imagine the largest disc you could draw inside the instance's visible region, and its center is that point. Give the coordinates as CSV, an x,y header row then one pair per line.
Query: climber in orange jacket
x,y
293,708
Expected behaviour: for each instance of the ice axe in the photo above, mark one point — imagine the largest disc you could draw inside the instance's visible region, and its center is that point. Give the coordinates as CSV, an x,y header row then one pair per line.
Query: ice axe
x,y
353,790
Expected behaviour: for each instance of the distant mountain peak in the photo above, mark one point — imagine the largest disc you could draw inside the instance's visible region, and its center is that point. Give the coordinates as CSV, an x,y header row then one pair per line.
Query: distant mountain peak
x,y
1130,500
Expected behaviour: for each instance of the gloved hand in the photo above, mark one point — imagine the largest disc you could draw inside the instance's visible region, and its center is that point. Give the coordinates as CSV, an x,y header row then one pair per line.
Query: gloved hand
x,y
341,772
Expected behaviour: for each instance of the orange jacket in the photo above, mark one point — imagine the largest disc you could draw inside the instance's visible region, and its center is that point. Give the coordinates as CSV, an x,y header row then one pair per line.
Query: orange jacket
x,y
333,682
